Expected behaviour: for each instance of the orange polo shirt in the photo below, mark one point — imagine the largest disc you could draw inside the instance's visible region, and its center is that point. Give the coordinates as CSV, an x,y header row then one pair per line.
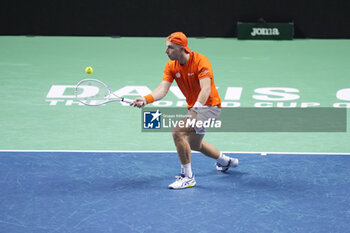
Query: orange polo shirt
x,y
187,77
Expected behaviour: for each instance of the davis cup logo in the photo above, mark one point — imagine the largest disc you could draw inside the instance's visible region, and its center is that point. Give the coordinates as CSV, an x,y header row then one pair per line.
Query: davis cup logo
x,y
152,120
233,97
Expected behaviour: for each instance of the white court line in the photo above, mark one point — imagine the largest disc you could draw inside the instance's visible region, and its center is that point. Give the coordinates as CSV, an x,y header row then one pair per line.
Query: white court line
x,y
169,151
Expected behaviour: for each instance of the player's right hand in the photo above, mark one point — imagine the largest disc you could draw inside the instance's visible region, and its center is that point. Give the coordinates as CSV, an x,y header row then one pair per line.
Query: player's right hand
x,y
139,102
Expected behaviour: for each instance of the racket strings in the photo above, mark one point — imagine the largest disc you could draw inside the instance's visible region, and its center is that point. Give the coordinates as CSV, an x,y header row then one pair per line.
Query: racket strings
x,y
94,92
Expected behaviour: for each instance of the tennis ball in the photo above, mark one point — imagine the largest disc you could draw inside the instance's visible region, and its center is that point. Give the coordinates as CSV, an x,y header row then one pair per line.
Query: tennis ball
x,y
89,70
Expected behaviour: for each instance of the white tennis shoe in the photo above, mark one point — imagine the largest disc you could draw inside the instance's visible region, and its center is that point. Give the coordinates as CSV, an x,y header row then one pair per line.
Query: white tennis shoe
x,y
232,163
183,182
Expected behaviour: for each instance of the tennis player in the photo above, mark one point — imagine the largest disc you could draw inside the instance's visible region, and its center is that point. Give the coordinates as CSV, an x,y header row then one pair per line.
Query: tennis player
x,y
194,76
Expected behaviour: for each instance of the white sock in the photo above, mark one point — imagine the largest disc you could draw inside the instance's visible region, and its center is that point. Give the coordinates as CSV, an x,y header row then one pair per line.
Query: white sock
x,y
223,159
187,169
182,169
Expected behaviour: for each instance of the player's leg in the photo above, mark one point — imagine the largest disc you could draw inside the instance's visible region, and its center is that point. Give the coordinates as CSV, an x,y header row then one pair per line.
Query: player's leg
x,y
197,144
186,177
182,146
223,162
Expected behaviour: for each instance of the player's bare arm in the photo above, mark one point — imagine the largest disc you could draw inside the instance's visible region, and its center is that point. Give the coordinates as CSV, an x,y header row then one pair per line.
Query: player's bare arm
x,y
157,94
205,90
202,97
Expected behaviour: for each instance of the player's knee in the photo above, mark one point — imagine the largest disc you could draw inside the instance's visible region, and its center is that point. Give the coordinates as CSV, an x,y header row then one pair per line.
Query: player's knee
x,y
195,146
178,135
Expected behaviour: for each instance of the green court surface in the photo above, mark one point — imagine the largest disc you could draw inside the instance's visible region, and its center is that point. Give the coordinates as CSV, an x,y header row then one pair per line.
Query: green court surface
x,y
38,111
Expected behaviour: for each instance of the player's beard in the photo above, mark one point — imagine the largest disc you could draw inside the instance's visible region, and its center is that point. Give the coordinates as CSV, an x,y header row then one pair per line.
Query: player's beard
x,y
171,58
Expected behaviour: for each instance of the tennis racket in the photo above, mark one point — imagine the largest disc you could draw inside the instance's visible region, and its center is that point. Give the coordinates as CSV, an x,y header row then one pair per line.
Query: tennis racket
x,y
93,92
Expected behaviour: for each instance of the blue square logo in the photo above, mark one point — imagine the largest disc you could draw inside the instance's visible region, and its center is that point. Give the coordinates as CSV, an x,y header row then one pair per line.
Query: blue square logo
x,y
152,120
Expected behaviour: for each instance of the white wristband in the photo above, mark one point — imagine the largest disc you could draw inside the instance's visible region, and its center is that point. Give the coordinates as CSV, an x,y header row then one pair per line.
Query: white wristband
x,y
198,105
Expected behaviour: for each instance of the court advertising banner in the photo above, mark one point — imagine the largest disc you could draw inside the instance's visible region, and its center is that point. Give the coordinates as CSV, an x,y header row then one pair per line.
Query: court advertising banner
x,y
265,31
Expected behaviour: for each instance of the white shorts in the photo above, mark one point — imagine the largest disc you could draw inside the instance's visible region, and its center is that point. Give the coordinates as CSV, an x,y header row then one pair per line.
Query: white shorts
x,y
204,114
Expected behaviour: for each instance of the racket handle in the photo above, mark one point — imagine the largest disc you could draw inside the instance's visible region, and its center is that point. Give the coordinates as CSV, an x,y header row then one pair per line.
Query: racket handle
x,y
129,101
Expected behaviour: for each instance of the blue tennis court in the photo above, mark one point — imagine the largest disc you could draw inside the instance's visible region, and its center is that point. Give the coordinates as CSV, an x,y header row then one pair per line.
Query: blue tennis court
x,y
127,192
